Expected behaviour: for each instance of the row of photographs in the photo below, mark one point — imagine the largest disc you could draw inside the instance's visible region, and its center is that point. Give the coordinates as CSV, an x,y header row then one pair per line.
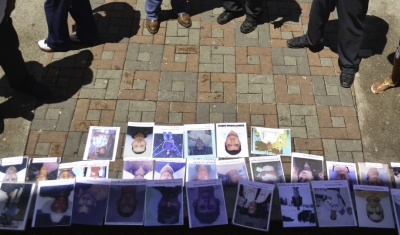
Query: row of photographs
x,y
161,203
265,169
222,140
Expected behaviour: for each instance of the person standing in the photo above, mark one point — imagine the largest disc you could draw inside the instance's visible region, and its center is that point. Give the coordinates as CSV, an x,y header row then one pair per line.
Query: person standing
x,y
153,8
11,59
235,8
351,14
58,38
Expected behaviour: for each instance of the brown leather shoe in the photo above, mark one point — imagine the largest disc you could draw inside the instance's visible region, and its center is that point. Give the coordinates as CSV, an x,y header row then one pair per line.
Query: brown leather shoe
x,y
185,20
152,25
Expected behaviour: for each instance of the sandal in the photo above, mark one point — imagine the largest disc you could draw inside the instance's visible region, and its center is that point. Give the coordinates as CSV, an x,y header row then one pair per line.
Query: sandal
x,y
384,85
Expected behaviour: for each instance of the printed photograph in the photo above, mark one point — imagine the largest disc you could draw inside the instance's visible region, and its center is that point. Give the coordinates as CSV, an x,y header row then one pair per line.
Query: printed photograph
x,y
71,170
201,171
396,173
206,204
270,141
101,143
374,174
138,169
54,203
96,172
164,205
42,169
126,203
170,170
297,205
15,201
139,139
253,205
333,204
231,140
231,171
199,141
13,169
342,171
395,193
267,169
375,201
90,201
306,168
168,142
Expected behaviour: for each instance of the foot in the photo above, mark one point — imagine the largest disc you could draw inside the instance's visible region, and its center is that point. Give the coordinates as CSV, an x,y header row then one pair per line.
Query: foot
x,y
248,26
185,20
152,26
44,47
382,85
295,43
74,38
346,80
36,89
226,16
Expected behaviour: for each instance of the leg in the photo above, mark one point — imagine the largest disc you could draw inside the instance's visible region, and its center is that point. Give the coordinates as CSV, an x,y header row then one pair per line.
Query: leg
x,y
233,9
253,13
350,33
86,28
391,81
165,136
179,6
153,8
56,12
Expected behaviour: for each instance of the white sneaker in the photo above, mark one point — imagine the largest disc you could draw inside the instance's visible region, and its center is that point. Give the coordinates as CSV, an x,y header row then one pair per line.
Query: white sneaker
x,y
74,38
43,46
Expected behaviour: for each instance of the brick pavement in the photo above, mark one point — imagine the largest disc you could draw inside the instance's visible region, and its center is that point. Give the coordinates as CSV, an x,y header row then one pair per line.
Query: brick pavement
x,y
207,73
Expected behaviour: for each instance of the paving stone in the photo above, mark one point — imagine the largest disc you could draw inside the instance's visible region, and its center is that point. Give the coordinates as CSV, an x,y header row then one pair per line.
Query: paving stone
x,y
242,83
100,83
107,55
203,113
178,86
312,127
268,94
65,119
297,132
255,88
328,100
148,116
303,110
46,125
216,117
142,105
349,145
217,87
277,57
338,122
345,157
287,35
217,59
222,108
180,58
318,83
93,115
358,157
230,117
285,69
257,120
134,116
121,111
112,89
92,93
72,144
109,74
346,97
144,56
326,62
284,118
139,84
290,60
332,90
253,60
175,118
222,50
211,68
294,53
298,121
53,114
42,149
229,64
294,89
249,98
303,67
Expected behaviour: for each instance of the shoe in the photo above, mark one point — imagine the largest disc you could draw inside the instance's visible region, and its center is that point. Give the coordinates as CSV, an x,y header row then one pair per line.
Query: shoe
x,y
36,89
185,20
226,16
381,86
153,26
44,47
294,43
248,26
74,38
346,80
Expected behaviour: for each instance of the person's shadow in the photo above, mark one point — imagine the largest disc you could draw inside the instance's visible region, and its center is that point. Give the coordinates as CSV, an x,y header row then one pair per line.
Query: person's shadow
x,y
63,77
116,22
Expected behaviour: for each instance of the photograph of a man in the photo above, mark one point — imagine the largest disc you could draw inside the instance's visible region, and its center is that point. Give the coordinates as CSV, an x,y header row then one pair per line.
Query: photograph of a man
x,y
231,172
89,203
198,172
101,143
306,170
53,206
206,206
231,140
373,175
170,170
164,206
200,142
138,169
13,173
168,145
126,204
139,140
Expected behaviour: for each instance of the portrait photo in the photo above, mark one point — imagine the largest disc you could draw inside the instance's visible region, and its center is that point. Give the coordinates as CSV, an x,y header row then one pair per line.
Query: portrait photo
x,y
164,205
374,174
14,170
139,140
168,142
126,203
54,203
101,143
231,171
201,171
396,174
90,201
232,140
169,170
395,193
15,201
206,205
96,172
70,171
306,168
42,169
342,171
267,170
199,141
138,169
297,206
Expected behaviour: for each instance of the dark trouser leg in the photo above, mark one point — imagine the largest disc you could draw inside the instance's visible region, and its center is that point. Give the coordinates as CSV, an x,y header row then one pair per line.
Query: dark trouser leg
x,y
253,9
86,27
11,59
351,15
233,6
319,15
56,15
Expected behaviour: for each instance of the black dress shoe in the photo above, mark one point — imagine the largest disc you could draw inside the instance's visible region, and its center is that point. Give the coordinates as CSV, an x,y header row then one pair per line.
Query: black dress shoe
x,y
248,26
346,80
295,43
226,16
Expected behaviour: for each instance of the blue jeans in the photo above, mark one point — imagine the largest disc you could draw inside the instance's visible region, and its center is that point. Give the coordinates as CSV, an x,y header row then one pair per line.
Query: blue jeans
x,y
153,8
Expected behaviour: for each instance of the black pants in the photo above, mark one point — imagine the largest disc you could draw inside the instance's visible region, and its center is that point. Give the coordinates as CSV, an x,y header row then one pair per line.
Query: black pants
x,y
252,8
351,14
11,59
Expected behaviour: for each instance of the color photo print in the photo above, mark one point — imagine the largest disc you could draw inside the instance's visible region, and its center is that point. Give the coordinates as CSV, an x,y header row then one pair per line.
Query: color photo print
x,y
139,139
168,142
101,143
253,205
231,140
306,167
13,169
167,169
199,141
